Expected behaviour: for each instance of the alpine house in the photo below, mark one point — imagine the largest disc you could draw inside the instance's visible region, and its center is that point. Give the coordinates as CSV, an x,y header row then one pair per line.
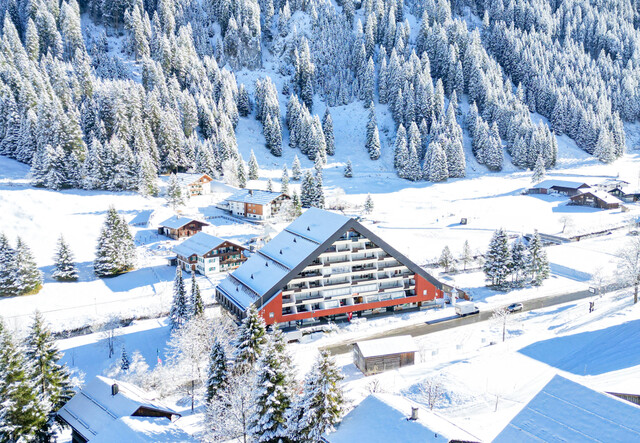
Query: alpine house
x,y
324,265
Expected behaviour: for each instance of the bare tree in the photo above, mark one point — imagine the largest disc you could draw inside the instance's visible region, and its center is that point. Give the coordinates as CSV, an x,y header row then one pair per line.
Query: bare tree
x,y
229,414
430,392
629,265
109,334
501,318
567,223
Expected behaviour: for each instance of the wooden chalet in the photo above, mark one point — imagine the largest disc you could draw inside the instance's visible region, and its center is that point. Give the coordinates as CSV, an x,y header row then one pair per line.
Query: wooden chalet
x,y
597,199
208,254
384,354
102,401
564,187
196,184
180,227
255,203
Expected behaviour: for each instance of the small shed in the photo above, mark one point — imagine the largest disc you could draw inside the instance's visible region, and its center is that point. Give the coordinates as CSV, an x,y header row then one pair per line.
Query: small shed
x,y
597,199
384,354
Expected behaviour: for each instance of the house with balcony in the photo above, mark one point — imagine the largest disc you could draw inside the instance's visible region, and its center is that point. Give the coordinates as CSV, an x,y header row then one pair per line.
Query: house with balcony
x,y
208,254
325,265
255,203
177,227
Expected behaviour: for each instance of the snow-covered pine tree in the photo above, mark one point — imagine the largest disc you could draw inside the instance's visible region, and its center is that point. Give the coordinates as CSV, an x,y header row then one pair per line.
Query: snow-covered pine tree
x,y
296,206
23,416
368,204
175,196
446,260
115,252
241,172
318,188
51,379
519,259
218,375
251,338
539,170
124,360
29,276
8,268
327,129
605,150
296,170
321,404
274,396
437,163
467,255
497,264
538,261
269,185
284,181
179,313
348,169
253,167
307,191
244,103
196,305
493,153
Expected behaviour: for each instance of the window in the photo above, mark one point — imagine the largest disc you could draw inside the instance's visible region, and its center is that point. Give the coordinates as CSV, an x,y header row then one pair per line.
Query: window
x,y
270,314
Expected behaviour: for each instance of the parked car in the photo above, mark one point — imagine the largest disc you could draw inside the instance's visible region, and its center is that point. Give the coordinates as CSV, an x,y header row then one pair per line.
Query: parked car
x,y
514,307
633,233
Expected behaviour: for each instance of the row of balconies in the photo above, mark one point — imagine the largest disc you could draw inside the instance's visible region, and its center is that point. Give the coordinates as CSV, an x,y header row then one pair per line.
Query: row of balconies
x,y
301,284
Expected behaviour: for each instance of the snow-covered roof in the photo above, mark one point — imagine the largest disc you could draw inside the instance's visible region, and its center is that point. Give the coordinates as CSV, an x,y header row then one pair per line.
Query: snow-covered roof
x,y
602,195
176,222
382,418
387,346
94,408
198,244
265,272
186,179
546,184
568,411
143,430
254,196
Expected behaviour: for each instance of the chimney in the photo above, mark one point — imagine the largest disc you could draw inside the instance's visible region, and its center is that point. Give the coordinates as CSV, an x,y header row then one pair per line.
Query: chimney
x,y
414,413
250,191
114,389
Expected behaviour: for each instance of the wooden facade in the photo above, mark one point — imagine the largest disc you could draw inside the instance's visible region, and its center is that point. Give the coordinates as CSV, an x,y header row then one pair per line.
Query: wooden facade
x,y
200,186
380,363
224,257
592,199
189,229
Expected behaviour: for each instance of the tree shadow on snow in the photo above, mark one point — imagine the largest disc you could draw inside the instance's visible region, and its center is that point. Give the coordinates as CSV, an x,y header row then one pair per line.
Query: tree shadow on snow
x,y
593,352
140,277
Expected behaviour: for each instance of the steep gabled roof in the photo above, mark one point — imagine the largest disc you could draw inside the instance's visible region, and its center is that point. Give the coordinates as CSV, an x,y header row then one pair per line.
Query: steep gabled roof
x,y
143,430
176,222
266,272
198,244
565,411
383,418
94,408
599,194
254,196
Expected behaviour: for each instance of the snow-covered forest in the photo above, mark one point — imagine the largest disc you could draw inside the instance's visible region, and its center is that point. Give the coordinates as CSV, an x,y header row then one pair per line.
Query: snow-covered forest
x,y
107,94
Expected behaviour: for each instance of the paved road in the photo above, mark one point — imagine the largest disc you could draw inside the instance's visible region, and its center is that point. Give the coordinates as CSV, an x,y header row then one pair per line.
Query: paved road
x,y
417,330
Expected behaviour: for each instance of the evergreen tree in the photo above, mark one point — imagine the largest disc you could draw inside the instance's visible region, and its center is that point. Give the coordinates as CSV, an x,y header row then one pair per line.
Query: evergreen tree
x,y
296,205
269,185
605,149
519,259
320,406
435,166
348,169
253,167
29,276
65,268
9,280
467,255
179,313
241,172
116,251
539,171
327,129
218,378
307,192
368,204
373,137
274,396
124,360
446,260
251,338
538,262
195,303
23,415
175,196
497,264
296,171
284,182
